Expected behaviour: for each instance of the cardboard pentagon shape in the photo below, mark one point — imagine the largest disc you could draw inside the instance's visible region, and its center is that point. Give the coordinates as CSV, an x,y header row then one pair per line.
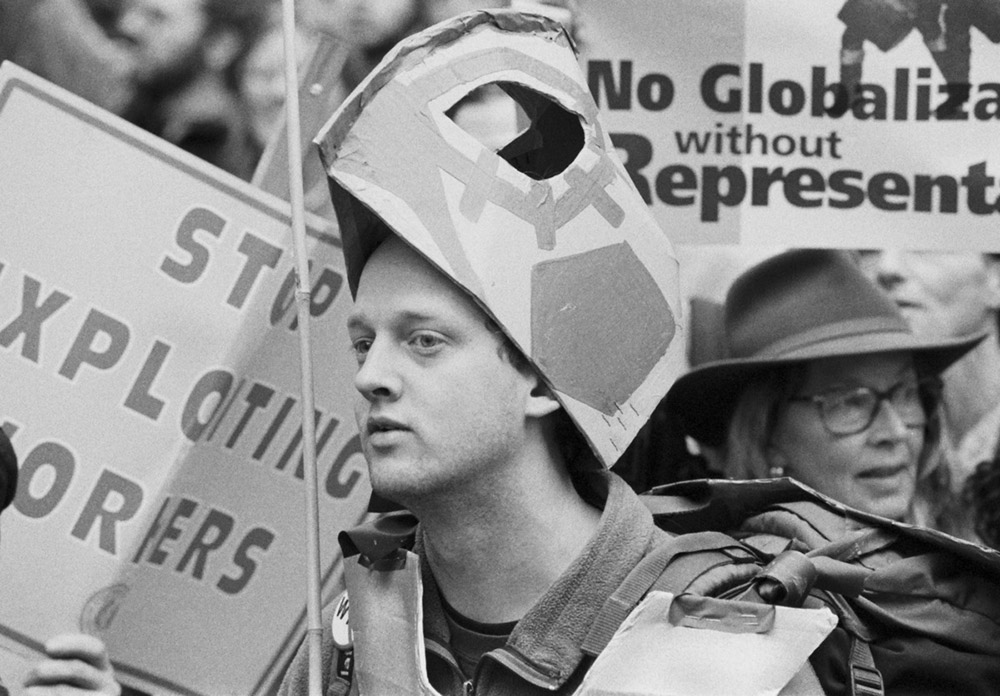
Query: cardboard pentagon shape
x,y
549,234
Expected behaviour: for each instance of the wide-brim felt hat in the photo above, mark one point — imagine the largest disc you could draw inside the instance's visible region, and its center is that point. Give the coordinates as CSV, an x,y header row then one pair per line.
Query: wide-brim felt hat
x,y
794,307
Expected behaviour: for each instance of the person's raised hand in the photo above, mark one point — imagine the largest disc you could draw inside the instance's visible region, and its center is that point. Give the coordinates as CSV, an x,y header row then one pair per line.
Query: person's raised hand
x,y
76,664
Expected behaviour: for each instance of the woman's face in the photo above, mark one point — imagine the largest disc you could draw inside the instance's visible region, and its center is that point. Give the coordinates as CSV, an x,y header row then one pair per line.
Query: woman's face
x,y
874,470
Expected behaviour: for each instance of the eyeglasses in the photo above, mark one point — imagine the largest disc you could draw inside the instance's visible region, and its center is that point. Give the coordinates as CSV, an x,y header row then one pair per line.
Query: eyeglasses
x,y
850,411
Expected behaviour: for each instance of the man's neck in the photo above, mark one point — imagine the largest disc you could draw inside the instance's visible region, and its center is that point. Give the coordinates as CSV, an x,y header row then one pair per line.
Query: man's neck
x,y
972,387
495,551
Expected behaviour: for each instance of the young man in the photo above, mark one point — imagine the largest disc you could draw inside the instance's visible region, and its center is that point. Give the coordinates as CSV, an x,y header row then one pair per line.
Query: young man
x,y
513,326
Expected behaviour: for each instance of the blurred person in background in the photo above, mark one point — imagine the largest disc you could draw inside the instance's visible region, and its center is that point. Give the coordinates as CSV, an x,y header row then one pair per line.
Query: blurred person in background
x,y
942,295
824,382
67,43
369,28
74,663
187,56
262,73
439,10
338,43
981,492
348,37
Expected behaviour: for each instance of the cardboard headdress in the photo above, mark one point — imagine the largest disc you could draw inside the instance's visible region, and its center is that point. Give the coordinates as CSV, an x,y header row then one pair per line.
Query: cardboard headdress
x,y
549,234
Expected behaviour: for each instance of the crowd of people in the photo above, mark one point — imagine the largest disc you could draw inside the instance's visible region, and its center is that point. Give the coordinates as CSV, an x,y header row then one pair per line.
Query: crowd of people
x,y
947,299
871,376
206,75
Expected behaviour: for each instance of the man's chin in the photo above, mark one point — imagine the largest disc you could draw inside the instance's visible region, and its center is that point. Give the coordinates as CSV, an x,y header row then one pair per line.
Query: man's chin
x,y
923,323
392,479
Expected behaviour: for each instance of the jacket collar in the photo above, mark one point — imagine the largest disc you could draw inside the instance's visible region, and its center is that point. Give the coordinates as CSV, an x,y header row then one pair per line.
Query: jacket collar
x,y
548,639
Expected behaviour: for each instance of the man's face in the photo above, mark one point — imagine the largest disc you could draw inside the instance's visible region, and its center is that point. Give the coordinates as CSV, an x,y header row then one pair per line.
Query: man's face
x,y
941,294
439,410
166,37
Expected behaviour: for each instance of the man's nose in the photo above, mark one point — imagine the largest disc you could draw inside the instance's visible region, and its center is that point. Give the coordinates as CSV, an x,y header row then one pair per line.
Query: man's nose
x,y
378,377
891,268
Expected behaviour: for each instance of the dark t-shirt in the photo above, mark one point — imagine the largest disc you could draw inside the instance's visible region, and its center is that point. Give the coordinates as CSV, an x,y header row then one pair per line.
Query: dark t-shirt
x,y
470,640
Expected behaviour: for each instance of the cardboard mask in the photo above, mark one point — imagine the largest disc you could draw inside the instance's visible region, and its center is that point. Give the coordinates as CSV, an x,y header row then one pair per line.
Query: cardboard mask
x,y
549,234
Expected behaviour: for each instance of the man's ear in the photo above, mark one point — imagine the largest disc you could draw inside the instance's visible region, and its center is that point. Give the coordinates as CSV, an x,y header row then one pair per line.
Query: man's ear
x,y
541,401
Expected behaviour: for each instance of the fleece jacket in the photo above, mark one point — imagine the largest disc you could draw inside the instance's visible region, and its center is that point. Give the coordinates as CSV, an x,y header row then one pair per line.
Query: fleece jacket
x,y
544,653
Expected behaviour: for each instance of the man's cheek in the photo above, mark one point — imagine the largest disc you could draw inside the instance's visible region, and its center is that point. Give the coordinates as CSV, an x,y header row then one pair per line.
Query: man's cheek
x,y
360,407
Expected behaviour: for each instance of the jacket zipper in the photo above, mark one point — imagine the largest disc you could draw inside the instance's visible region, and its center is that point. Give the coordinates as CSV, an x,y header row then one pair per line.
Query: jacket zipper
x,y
468,688
502,656
512,661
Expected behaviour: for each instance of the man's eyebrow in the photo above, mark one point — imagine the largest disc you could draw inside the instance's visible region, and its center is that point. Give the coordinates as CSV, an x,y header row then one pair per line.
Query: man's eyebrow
x,y
358,320
412,316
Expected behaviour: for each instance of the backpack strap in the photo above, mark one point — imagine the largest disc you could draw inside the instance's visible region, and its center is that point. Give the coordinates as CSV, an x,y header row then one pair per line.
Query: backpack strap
x,y
796,573
673,566
865,678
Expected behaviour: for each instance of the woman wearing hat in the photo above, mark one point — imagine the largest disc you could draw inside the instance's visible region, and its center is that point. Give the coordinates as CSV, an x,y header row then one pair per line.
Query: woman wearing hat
x,y
824,382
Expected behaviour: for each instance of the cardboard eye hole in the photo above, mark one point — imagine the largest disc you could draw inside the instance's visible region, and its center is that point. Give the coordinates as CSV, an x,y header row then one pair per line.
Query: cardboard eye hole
x,y
528,130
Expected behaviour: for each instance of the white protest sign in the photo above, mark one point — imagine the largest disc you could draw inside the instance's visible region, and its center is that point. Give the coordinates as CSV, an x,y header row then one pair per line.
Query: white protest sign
x,y
735,124
150,377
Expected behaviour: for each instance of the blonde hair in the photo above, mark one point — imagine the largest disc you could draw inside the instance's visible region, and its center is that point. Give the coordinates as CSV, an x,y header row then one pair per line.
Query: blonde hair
x,y
753,420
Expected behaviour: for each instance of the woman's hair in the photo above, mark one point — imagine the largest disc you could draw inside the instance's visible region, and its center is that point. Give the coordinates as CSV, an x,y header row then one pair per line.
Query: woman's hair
x,y
934,501
754,417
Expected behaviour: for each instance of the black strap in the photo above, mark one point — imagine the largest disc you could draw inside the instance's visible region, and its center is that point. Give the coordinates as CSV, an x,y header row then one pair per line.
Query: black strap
x,y
865,678
705,553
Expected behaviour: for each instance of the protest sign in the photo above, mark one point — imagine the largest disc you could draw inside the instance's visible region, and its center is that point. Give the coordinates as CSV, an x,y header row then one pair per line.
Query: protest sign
x,y
149,358
812,123
147,342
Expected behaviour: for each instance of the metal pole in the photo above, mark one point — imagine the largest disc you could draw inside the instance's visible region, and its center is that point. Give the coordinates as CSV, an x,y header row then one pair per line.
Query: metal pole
x,y
303,299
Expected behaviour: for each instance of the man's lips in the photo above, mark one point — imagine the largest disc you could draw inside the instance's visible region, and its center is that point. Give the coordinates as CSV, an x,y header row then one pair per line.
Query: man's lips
x,y
904,303
383,424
